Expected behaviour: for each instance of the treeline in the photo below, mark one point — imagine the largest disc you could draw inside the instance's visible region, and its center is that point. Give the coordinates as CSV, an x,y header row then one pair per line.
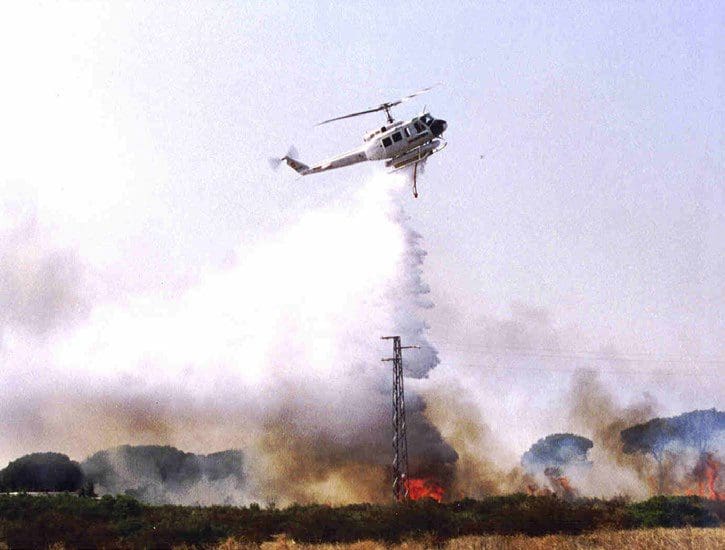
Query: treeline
x,y
123,522
151,473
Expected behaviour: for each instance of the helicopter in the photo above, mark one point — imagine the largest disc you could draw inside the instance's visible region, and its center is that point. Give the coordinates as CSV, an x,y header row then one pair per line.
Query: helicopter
x,y
400,143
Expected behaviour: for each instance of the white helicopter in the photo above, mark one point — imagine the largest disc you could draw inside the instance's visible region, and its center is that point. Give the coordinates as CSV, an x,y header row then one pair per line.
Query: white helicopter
x,y
399,143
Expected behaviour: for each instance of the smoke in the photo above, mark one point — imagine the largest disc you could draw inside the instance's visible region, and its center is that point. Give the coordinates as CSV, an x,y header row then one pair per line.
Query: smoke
x,y
558,451
595,411
277,355
160,475
683,450
491,406
557,458
41,285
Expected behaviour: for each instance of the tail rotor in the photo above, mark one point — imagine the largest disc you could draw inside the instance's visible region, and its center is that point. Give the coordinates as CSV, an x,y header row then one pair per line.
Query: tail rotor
x,y
275,162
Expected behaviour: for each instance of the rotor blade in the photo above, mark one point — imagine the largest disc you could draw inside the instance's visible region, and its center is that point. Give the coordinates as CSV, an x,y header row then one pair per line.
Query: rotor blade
x,y
414,94
406,98
380,108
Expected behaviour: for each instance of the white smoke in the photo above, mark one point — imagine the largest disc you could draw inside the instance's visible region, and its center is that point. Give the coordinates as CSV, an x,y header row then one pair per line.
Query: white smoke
x,y
282,346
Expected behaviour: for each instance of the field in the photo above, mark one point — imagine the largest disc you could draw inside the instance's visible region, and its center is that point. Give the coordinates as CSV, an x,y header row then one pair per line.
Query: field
x,y
639,539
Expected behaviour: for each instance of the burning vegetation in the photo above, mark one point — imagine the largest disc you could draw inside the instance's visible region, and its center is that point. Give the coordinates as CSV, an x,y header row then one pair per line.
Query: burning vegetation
x,y
419,488
555,458
681,455
683,451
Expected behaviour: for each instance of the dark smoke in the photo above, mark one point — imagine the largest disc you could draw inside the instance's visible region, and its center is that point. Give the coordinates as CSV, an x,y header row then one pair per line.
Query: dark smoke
x,y
312,464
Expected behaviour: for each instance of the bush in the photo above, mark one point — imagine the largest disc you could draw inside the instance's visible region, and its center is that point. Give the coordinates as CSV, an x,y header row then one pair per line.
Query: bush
x,y
663,511
36,522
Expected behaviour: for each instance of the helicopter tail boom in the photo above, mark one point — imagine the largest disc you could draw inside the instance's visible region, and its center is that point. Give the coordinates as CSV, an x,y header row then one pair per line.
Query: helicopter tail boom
x,y
296,165
346,159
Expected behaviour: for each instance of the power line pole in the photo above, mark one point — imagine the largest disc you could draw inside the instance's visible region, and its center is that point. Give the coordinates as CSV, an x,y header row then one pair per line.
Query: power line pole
x,y
400,440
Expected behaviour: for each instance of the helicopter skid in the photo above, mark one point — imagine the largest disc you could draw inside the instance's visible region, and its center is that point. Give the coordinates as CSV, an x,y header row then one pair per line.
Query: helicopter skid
x,y
418,154
415,157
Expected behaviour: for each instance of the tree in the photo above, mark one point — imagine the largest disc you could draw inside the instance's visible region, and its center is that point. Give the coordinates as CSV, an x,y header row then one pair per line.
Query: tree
x,y
45,472
695,430
557,451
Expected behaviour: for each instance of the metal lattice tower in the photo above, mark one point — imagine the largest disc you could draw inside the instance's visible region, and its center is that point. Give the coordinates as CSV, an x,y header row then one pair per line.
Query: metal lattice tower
x,y
400,440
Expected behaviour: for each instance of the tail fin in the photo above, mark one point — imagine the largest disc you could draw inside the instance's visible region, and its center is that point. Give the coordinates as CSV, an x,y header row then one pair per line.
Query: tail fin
x,y
298,166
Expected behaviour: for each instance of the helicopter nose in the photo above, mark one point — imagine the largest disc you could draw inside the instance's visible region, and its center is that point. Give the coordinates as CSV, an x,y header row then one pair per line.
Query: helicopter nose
x,y
438,126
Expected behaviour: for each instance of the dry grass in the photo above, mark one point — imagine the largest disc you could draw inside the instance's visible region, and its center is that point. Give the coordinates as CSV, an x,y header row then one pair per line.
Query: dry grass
x,y
641,539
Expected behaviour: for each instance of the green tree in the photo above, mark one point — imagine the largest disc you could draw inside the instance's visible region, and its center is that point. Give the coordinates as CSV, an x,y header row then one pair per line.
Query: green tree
x,y
42,472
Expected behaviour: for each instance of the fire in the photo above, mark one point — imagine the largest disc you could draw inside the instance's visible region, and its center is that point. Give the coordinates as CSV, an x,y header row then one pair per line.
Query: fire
x,y
707,472
419,488
560,483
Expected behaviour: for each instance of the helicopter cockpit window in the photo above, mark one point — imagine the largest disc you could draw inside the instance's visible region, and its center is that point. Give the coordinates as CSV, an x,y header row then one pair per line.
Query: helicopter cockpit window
x,y
387,142
397,136
419,127
427,119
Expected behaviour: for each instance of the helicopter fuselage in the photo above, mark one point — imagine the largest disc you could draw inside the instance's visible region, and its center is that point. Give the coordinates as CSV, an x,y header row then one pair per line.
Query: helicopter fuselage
x,y
400,137
400,143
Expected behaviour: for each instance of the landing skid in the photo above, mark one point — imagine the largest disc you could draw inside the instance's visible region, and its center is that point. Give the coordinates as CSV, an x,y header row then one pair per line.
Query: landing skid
x,y
415,161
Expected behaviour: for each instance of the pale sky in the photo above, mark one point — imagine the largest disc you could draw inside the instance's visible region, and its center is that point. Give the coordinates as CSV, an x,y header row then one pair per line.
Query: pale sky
x,y
579,203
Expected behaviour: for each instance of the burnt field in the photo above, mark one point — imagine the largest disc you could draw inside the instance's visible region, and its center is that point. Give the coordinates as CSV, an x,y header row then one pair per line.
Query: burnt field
x,y
31,521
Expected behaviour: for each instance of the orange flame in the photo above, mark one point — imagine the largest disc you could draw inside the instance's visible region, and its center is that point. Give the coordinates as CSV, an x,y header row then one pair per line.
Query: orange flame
x,y
709,470
561,484
419,488
705,475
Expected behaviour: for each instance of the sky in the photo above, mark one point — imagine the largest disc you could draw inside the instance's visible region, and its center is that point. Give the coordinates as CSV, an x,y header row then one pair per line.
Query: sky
x,y
576,212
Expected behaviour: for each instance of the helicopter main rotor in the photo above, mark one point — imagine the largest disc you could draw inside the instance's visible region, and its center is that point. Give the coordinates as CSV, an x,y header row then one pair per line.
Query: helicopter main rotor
x,y
382,107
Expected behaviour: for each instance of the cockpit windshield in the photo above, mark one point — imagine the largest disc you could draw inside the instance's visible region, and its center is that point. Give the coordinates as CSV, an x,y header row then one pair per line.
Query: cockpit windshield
x,y
426,119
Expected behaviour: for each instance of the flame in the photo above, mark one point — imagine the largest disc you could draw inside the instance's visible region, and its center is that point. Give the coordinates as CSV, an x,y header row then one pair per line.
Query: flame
x,y
560,483
419,488
707,472
704,478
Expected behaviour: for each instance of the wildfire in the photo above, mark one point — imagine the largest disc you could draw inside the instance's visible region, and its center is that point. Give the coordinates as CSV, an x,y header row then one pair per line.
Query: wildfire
x,y
419,488
707,472
560,483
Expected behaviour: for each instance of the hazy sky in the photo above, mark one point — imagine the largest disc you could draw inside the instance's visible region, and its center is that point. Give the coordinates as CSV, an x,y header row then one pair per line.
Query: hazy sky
x,y
579,204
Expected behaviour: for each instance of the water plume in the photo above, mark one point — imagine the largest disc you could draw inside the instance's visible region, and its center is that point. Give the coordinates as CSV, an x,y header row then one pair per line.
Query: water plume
x,y
277,355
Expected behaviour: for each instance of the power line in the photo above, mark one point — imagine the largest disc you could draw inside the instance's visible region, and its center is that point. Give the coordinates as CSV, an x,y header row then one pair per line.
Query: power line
x,y
577,354
576,369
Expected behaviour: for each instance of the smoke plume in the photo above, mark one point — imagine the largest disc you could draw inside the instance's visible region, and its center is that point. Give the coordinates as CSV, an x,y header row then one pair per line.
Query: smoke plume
x,y
277,355
594,411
